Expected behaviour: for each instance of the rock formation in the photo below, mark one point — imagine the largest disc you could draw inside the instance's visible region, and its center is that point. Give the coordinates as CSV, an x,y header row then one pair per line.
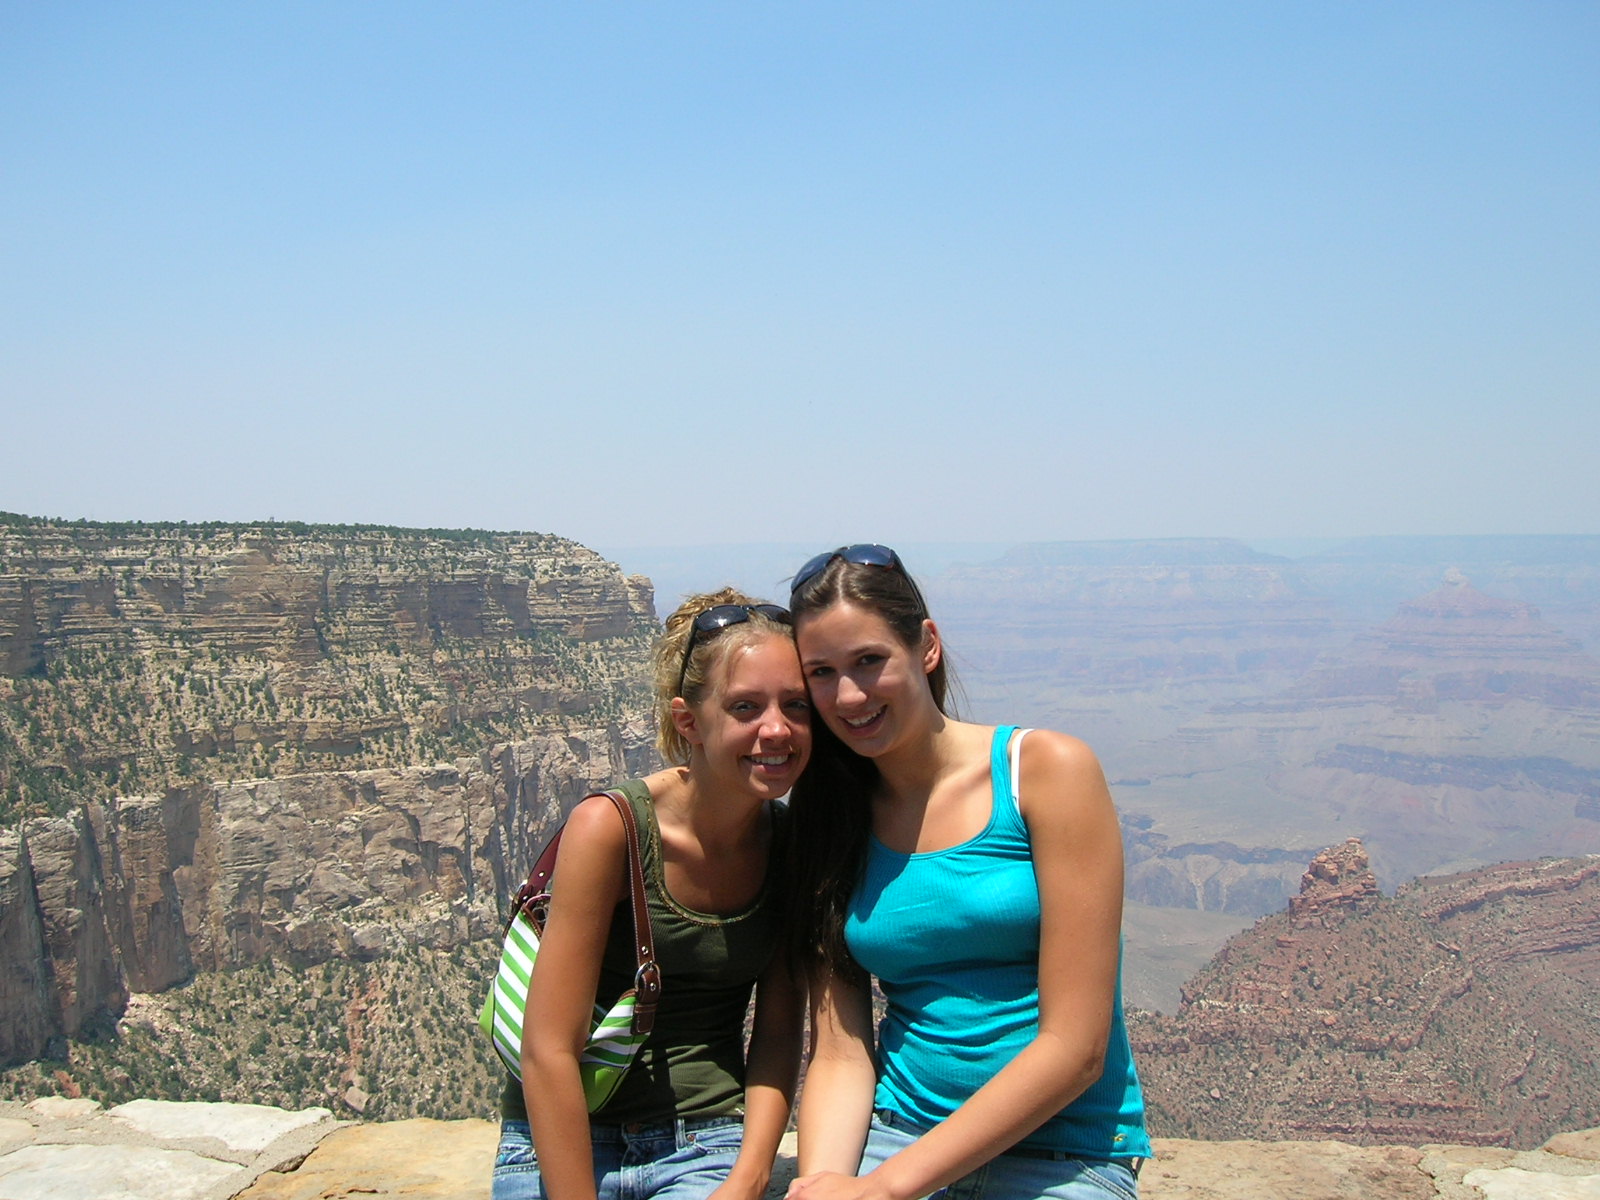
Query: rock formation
x,y
1461,1009
208,739
1339,877
304,868
134,658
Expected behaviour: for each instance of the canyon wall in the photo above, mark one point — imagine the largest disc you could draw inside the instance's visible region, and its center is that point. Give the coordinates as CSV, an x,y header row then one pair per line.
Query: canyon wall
x,y
138,658
141,892
209,738
1461,1009
1248,710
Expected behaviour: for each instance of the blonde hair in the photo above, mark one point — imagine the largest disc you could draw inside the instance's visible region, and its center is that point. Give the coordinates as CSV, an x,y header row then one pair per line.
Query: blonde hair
x,y
708,653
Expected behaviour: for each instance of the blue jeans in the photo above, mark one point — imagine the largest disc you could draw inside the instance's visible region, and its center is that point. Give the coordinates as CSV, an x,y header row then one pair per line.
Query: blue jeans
x,y
1015,1175
675,1160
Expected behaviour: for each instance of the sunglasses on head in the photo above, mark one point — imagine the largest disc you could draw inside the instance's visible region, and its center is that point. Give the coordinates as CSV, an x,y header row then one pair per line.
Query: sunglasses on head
x,y
862,554
718,617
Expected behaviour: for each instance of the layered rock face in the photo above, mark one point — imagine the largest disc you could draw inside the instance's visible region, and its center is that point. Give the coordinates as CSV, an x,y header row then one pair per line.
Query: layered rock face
x,y
1118,617
1458,644
1462,731
146,890
1460,1010
134,658
208,738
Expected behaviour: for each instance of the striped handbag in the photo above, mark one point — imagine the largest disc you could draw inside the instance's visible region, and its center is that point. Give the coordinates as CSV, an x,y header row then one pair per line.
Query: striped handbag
x,y
617,1033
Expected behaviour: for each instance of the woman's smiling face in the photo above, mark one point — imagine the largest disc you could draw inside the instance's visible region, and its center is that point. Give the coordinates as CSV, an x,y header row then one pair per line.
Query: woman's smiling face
x,y
868,685
754,724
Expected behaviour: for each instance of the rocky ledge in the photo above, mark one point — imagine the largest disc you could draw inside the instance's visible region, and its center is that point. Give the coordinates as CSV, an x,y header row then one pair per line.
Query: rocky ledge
x,y
162,1150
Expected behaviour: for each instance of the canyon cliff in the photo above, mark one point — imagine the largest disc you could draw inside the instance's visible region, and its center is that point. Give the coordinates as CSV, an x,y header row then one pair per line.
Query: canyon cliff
x,y
1461,1009
208,738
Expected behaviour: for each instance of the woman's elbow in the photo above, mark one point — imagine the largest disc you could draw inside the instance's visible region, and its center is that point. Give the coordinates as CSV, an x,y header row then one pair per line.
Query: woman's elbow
x,y
1079,1066
1091,1065
543,1057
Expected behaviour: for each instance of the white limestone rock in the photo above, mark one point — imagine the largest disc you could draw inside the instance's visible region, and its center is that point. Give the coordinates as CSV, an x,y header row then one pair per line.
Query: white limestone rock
x,y
243,1128
15,1133
1514,1183
115,1173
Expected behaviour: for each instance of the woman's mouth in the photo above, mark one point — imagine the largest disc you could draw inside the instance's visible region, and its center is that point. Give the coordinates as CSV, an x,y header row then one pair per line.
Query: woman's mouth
x,y
863,724
770,762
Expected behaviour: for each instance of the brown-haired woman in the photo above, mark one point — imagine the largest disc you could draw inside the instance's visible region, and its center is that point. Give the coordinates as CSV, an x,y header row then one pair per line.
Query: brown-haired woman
x,y
976,872
694,1115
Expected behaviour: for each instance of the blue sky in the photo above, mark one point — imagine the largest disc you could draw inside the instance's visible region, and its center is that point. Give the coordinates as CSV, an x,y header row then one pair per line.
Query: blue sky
x,y
715,273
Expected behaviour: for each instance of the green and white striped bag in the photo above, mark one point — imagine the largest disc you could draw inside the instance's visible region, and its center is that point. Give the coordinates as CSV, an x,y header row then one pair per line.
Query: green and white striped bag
x,y
617,1032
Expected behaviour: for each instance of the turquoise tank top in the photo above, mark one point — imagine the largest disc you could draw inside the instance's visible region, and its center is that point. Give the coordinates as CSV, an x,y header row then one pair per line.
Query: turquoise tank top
x,y
953,939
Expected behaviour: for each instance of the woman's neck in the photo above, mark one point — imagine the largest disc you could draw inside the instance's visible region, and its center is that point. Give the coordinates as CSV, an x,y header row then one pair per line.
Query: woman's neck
x,y
720,820
913,769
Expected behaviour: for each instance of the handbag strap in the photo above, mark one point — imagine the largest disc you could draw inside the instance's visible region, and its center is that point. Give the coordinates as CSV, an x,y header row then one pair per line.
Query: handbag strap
x,y
647,979
533,899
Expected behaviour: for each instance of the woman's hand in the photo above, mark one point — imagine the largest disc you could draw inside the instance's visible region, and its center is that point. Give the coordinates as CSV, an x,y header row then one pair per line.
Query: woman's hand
x,y
830,1185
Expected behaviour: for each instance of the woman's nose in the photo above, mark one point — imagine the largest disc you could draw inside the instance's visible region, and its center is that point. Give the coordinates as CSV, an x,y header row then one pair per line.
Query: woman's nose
x,y
847,692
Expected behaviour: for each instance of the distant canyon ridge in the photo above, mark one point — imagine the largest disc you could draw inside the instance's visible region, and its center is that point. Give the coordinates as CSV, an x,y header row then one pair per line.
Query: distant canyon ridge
x,y
1438,698
229,749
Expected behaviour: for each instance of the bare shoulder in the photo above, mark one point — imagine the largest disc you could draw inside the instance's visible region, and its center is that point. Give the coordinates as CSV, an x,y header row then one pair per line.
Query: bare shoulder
x,y
1051,755
1060,775
595,825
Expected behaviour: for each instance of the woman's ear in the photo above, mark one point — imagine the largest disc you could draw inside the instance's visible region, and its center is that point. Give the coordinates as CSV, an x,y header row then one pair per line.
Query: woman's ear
x,y
932,647
683,720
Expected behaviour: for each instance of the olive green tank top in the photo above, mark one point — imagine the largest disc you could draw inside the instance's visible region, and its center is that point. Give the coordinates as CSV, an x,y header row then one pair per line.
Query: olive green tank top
x,y
692,1064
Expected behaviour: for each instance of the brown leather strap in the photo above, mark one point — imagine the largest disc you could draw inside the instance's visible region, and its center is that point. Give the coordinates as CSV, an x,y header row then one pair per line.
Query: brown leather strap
x,y
647,980
533,900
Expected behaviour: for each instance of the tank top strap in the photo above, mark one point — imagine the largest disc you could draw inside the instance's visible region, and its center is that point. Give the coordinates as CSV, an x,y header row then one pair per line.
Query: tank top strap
x,y
637,793
1003,772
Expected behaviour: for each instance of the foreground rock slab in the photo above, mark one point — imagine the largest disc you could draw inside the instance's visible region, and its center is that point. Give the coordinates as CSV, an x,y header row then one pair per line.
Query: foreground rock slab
x,y
1183,1170
115,1173
242,1128
419,1159
148,1149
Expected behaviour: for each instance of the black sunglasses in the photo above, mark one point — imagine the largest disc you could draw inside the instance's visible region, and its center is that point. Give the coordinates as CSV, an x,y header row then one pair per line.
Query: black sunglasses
x,y
719,617
862,554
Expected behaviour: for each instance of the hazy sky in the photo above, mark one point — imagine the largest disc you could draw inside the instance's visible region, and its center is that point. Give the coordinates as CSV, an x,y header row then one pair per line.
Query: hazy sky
x,y
703,273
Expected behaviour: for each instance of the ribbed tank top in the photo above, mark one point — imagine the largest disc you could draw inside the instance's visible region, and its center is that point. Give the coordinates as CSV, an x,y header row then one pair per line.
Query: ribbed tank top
x,y
692,1064
953,938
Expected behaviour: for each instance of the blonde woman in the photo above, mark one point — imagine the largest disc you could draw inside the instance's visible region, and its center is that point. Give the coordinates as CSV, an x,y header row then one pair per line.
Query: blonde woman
x,y
694,1116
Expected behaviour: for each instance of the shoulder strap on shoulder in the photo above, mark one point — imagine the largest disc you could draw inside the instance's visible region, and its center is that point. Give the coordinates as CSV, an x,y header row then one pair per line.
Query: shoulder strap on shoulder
x,y
533,900
1016,765
647,980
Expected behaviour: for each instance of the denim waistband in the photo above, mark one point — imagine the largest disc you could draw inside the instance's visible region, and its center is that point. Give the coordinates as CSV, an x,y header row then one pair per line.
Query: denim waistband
x,y
677,1130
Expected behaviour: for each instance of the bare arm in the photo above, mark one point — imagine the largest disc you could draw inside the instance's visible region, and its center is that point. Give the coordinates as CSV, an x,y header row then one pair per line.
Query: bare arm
x,y
588,885
1077,853
770,1071
836,1103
